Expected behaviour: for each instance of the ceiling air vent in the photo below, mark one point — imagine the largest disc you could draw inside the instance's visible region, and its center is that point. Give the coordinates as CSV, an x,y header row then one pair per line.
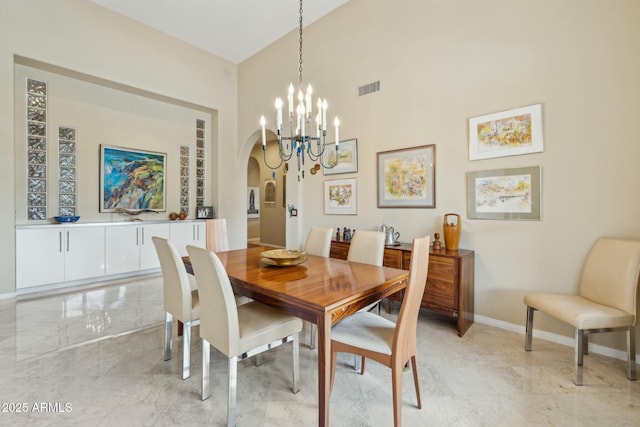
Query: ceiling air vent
x,y
371,87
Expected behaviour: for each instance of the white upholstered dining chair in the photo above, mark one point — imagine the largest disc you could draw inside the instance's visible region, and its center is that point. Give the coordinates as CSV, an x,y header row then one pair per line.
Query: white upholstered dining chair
x,y
367,247
318,243
606,300
392,344
180,301
217,236
236,331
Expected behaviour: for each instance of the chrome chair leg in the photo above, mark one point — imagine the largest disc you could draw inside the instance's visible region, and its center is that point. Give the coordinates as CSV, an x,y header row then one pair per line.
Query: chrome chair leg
x,y
259,359
631,353
529,329
579,355
296,362
356,362
585,344
206,347
312,340
168,328
233,384
186,351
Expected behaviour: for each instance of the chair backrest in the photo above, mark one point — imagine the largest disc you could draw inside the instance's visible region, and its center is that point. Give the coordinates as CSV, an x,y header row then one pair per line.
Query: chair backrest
x,y
176,287
367,247
217,237
219,322
319,241
610,274
404,340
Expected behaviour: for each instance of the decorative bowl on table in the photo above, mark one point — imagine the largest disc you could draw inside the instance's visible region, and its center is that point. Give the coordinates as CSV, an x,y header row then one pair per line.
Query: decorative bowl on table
x,y
66,218
283,257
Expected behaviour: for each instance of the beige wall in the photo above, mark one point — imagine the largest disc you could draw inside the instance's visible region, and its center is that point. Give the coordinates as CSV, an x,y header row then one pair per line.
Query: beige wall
x,y
440,63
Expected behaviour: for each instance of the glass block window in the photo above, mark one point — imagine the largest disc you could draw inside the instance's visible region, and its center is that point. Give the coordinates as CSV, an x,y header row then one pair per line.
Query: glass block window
x,y
200,162
36,117
67,163
185,158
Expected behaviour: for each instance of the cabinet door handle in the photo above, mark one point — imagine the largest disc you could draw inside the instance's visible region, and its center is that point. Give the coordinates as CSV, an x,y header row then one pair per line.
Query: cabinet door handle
x,y
67,241
60,238
142,231
137,236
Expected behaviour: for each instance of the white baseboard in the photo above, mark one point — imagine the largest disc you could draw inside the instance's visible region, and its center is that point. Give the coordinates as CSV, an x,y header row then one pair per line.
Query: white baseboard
x,y
548,336
8,295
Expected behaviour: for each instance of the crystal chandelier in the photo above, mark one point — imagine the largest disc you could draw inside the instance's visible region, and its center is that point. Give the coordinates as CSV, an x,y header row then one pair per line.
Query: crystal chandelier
x,y
300,139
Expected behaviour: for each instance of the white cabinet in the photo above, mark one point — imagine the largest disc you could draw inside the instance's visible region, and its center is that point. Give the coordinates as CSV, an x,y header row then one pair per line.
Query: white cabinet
x,y
129,247
39,257
148,255
84,253
54,254
57,254
188,233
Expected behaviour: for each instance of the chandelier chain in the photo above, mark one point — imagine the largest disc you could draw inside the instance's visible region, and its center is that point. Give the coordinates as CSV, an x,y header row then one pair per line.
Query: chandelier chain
x,y
300,50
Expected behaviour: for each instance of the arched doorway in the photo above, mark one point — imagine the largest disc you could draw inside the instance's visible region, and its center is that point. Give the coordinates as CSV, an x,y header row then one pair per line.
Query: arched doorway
x,y
268,225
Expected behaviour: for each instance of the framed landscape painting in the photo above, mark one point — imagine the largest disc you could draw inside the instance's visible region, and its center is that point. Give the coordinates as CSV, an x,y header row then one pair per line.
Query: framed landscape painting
x,y
340,197
505,193
507,133
407,178
131,179
347,157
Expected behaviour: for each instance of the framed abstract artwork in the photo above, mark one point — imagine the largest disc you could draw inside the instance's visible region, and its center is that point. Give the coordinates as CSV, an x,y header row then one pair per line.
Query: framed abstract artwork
x,y
407,178
131,179
345,160
340,197
505,193
506,133
253,202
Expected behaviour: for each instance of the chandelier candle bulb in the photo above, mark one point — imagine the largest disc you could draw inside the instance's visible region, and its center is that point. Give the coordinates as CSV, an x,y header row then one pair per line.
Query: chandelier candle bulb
x,y
279,113
324,114
336,123
318,125
308,100
290,97
263,122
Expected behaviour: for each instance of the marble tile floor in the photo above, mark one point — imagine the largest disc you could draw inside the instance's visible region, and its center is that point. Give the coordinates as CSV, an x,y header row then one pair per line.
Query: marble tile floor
x,y
94,358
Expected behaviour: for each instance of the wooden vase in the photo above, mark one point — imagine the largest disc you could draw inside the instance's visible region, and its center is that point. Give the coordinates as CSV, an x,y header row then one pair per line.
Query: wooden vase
x,y
452,232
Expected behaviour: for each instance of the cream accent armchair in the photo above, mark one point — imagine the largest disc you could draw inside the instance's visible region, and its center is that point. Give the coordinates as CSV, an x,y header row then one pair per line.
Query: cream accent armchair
x,y
236,331
391,344
606,299
180,301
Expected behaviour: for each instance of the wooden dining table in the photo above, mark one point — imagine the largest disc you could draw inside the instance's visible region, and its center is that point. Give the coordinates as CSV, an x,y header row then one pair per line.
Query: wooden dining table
x,y
320,290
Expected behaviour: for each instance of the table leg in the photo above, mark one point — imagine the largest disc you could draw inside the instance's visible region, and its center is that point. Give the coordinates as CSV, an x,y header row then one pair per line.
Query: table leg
x,y
324,369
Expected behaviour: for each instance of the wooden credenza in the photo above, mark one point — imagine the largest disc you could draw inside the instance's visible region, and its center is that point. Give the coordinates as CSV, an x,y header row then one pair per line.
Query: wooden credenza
x,y
450,279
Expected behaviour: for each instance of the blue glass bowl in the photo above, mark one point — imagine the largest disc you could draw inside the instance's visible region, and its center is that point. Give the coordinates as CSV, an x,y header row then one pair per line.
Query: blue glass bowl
x,y
66,218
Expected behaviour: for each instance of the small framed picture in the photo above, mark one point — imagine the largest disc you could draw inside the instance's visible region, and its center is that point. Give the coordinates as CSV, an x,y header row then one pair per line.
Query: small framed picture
x,y
507,194
205,212
342,160
340,197
506,133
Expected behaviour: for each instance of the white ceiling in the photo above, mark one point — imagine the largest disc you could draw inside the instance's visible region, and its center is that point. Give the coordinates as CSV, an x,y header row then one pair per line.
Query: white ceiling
x,y
231,29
